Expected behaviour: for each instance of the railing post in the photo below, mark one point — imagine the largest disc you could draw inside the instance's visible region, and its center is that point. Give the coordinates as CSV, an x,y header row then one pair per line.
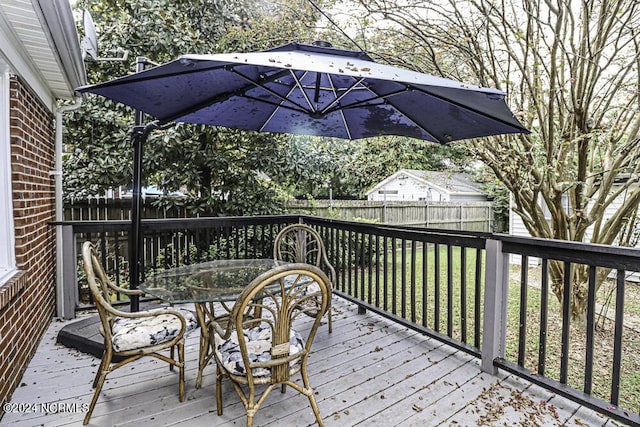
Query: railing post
x,y
495,305
67,286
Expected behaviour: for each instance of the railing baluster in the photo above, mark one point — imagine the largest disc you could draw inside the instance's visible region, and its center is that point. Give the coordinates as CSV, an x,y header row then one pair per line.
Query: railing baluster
x,y
403,279
566,317
436,292
617,338
414,300
591,315
351,261
425,282
245,231
394,274
344,262
369,267
377,284
385,294
478,299
449,291
463,294
116,251
362,266
522,326
544,304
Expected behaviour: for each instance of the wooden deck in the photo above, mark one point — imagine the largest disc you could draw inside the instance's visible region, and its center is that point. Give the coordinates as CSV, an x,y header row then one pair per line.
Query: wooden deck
x,y
368,372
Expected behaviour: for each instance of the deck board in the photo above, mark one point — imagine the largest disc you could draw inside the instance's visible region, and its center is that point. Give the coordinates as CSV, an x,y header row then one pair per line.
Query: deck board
x,y
368,372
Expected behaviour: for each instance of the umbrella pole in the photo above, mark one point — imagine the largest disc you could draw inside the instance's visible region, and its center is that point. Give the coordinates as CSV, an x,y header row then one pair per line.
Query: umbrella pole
x,y
138,138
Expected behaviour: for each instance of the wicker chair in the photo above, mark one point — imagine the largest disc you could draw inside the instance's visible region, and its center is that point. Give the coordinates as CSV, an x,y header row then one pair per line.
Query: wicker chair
x,y
130,336
299,243
271,351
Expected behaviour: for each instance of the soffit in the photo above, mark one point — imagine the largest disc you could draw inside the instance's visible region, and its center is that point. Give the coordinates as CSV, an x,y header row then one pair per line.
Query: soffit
x,y
34,50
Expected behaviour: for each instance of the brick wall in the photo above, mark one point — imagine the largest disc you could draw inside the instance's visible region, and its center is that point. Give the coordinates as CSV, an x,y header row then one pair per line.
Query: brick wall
x,y
27,301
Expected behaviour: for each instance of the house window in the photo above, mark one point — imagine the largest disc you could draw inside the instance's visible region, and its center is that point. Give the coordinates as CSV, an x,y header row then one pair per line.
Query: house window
x,y
7,238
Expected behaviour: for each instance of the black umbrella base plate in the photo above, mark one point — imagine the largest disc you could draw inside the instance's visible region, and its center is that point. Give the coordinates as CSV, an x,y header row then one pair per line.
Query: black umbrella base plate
x,y
84,336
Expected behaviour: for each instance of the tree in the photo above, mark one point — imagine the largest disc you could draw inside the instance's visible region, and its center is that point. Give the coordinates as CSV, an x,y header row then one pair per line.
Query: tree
x,y
571,73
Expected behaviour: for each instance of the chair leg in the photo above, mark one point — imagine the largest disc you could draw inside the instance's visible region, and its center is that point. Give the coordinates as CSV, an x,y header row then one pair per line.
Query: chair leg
x,y
104,365
330,320
203,356
98,388
219,389
172,354
180,346
316,410
308,391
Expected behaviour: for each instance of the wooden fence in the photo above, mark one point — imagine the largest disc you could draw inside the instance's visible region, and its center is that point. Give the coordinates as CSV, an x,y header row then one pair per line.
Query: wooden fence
x,y
104,209
475,216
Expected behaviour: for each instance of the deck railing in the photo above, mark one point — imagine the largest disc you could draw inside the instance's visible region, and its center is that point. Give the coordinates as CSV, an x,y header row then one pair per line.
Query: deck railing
x,y
488,295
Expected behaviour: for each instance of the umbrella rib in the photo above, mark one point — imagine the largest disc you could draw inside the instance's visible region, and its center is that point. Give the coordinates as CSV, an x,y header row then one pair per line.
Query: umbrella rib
x,y
364,102
226,95
143,77
312,109
276,104
382,98
272,92
344,119
426,92
465,107
282,105
328,108
196,107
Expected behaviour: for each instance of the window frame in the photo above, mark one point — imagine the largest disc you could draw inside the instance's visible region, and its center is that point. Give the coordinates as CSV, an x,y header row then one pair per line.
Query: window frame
x,y
7,230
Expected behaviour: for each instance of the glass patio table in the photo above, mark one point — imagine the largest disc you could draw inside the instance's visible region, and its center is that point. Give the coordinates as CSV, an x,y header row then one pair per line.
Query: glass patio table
x,y
205,284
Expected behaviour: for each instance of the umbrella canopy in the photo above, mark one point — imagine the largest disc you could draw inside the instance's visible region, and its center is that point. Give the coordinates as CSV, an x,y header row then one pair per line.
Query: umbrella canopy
x,y
312,90
301,89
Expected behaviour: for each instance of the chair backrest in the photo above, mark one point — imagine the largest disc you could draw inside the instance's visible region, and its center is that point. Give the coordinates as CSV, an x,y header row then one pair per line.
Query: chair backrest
x,y
99,285
299,243
278,297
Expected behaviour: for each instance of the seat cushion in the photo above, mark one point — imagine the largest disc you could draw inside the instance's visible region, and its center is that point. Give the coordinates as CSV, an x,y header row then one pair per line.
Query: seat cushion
x,y
259,346
135,333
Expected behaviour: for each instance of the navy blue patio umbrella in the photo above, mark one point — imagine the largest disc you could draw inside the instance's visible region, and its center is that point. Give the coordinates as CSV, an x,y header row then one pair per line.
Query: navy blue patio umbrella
x,y
306,90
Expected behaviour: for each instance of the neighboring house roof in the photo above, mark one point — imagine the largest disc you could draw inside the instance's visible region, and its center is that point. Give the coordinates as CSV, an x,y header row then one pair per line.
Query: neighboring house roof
x,y
452,183
40,43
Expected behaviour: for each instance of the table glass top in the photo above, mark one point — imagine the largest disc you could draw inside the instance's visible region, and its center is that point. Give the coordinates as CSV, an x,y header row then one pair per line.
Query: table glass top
x,y
220,280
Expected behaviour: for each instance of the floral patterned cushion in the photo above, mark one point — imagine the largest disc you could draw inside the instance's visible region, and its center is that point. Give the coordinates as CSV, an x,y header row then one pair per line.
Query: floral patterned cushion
x,y
132,334
259,345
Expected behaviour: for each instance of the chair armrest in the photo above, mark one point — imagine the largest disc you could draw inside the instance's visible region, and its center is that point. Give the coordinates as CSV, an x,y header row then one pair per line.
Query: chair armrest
x,y
224,333
125,291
